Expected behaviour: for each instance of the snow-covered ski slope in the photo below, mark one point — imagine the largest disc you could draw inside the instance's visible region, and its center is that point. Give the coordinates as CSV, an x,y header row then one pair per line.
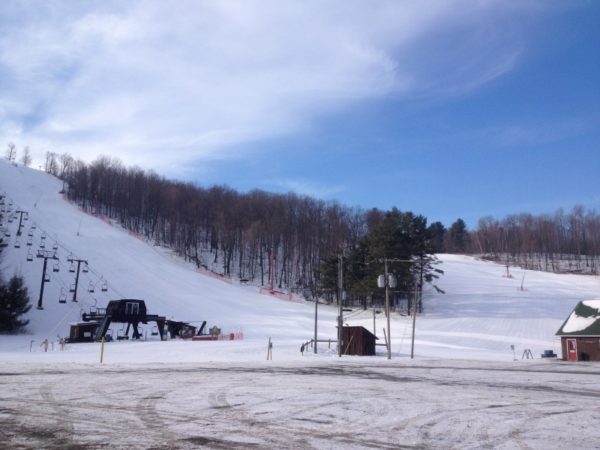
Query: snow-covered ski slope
x,y
480,316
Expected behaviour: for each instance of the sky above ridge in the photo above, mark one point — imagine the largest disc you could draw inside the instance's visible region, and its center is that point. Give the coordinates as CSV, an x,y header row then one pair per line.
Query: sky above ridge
x,y
446,108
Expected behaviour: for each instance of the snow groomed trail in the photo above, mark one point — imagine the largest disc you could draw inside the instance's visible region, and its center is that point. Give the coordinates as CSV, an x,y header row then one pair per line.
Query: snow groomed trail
x,y
480,316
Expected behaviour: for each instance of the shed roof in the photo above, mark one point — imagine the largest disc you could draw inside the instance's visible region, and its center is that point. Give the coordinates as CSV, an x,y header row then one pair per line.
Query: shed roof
x,y
584,320
360,329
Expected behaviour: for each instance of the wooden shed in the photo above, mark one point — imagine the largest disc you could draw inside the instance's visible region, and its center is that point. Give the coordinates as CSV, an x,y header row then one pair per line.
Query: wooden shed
x,y
580,334
82,332
358,341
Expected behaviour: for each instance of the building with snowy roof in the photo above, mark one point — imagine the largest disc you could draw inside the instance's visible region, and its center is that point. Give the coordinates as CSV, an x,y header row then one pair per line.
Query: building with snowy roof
x,y
580,334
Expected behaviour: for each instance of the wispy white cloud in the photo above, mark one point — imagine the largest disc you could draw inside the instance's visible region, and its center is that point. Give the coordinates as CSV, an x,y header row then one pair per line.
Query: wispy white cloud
x,y
161,84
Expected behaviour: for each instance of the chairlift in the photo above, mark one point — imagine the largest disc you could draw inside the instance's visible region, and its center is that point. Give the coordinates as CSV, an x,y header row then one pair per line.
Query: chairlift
x,y
85,268
56,268
33,226
17,243
7,233
72,288
42,244
47,278
91,287
43,236
104,287
29,242
55,246
70,257
29,256
72,268
63,296
30,234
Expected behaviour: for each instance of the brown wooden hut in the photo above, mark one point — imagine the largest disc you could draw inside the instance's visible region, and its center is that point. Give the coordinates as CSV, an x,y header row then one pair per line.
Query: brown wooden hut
x,y
580,333
358,341
83,332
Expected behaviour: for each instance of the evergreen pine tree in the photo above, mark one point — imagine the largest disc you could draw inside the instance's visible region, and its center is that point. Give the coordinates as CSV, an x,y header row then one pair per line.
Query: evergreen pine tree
x,y
458,236
14,302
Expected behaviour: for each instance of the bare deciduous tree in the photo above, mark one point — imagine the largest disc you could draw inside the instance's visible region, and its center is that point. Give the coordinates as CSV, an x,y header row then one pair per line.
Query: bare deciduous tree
x,y
26,158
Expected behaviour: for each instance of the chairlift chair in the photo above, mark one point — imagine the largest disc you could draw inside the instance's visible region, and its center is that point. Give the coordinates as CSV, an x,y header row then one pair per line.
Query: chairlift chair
x,y
33,226
63,296
7,233
47,278
91,287
70,257
56,268
43,236
29,242
55,246
29,256
30,234
72,288
17,243
42,244
72,268
104,287
85,268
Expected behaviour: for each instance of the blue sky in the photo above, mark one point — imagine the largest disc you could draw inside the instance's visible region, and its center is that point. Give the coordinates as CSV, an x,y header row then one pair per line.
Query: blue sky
x,y
446,108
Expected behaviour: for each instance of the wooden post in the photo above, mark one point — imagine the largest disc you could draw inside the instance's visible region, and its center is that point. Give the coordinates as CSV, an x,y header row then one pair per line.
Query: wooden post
x,y
102,350
269,350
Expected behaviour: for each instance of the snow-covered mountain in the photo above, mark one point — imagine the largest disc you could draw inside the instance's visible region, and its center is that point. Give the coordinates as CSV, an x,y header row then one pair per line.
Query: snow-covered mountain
x,y
480,316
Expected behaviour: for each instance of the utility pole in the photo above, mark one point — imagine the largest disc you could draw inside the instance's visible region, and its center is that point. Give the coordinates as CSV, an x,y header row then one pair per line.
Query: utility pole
x,y
417,299
387,281
46,254
374,324
412,344
387,309
316,315
21,220
340,300
78,261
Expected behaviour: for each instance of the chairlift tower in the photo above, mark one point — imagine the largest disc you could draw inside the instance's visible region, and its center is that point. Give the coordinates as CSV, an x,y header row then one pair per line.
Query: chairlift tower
x,y
78,261
46,254
21,218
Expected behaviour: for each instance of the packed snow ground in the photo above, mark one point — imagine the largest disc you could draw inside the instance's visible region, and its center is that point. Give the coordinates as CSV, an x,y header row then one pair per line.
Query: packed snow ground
x,y
463,388
348,403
